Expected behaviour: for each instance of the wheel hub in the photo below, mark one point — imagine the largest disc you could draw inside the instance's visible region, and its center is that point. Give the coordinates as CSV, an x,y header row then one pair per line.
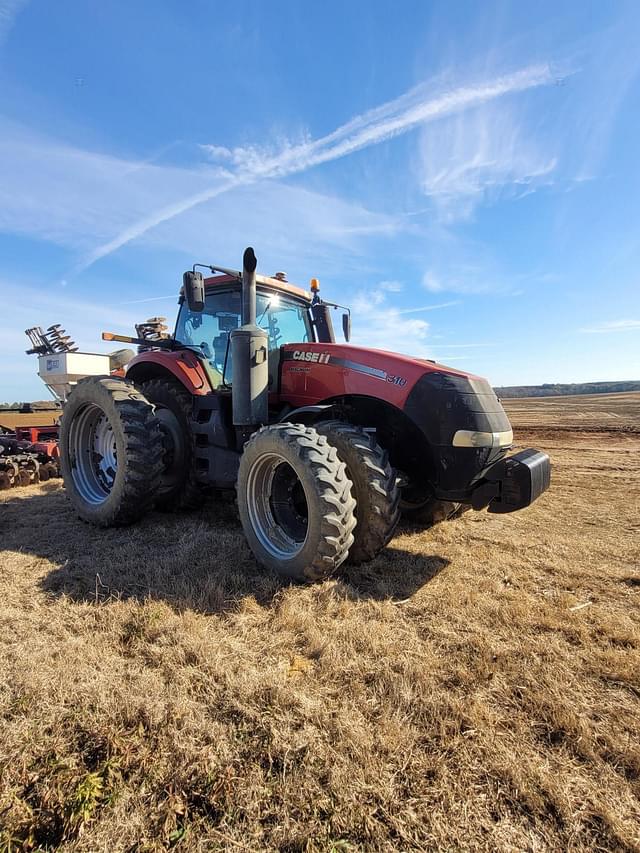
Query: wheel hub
x,y
93,449
277,506
105,453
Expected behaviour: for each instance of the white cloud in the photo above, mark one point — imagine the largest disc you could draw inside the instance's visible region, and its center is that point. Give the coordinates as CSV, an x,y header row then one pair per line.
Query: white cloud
x,y
432,283
416,107
73,198
377,323
304,232
9,10
615,326
217,152
477,155
466,346
464,278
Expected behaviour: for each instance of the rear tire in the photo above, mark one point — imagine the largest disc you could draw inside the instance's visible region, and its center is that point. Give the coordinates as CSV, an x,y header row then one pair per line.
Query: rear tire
x,y
374,487
179,487
111,451
295,502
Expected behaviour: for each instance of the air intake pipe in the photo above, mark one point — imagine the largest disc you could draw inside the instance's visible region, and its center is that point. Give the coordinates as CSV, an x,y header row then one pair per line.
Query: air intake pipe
x,y
249,356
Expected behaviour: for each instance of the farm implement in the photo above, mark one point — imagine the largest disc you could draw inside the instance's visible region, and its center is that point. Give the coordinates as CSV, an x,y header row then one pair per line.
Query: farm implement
x,y
28,454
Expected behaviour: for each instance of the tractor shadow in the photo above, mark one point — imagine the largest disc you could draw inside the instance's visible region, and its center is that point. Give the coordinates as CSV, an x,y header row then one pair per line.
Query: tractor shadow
x,y
197,561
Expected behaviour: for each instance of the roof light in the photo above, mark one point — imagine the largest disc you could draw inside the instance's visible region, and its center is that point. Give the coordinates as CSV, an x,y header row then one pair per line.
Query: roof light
x,y
314,285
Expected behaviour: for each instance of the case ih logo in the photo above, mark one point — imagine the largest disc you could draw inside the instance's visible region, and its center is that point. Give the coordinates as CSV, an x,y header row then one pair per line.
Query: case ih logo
x,y
317,357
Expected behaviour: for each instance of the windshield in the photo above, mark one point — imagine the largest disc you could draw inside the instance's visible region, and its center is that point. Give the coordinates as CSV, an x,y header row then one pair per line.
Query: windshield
x,y
286,320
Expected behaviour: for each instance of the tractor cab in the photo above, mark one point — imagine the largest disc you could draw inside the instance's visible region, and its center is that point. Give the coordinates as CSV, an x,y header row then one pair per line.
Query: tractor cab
x,y
283,311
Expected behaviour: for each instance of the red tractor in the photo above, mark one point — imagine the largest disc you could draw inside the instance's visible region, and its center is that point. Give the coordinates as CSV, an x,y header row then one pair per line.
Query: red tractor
x,y
325,443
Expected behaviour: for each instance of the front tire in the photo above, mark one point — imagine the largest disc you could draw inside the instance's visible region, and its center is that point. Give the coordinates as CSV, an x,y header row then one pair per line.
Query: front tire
x,y
111,451
295,502
374,487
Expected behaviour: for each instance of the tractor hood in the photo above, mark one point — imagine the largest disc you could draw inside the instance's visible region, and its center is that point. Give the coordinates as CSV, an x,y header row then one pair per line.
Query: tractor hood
x,y
344,368
446,404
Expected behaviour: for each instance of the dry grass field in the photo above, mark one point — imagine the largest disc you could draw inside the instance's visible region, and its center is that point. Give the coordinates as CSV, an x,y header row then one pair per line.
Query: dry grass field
x,y
477,687
11,420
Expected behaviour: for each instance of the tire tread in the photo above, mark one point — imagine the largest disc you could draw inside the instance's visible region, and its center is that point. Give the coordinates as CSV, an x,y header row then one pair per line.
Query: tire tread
x,y
143,445
375,489
190,494
336,502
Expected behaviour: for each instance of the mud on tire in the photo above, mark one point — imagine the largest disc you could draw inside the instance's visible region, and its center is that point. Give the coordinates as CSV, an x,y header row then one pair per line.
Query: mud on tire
x,y
295,502
179,487
111,451
374,487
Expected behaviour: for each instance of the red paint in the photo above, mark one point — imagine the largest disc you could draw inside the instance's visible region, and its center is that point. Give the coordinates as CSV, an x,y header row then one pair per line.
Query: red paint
x,y
34,434
184,365
38,439
49,447
306,382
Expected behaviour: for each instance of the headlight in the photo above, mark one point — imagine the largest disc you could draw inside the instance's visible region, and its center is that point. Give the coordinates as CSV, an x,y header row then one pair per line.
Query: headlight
x,y
469,438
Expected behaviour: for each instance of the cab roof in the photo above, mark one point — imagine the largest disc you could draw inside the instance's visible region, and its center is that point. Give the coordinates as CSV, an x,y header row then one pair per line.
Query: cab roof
x,y
264,280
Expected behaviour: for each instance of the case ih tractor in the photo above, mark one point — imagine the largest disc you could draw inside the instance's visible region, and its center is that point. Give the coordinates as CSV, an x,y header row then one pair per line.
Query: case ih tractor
x,y
325,443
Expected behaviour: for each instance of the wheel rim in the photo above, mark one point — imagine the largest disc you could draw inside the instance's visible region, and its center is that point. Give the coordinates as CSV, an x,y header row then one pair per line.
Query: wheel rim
x,y
277,506
92,444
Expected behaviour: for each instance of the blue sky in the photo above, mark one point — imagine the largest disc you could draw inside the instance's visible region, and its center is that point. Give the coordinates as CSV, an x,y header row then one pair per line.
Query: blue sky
x,y
465,175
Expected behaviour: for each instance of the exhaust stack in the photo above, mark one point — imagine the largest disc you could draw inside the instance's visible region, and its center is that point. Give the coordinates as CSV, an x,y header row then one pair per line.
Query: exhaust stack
x,y
249,355
249,264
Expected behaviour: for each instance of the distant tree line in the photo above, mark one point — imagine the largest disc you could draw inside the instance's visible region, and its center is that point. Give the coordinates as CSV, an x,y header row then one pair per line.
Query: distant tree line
x,y
558,389
36,406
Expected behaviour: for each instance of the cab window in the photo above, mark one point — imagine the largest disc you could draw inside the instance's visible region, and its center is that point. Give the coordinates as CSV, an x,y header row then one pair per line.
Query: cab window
x,y
284,319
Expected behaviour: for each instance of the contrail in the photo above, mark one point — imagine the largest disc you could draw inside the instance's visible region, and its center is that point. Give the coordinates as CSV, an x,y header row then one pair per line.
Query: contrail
x,y
429,307
391,119
150,299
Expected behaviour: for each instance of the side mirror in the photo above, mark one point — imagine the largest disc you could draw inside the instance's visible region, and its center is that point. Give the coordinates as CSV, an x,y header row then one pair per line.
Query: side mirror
x,y
346,326
193,284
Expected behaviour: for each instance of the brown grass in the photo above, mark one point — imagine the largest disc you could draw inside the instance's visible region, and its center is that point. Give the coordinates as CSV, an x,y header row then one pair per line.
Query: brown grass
x,y
477,687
